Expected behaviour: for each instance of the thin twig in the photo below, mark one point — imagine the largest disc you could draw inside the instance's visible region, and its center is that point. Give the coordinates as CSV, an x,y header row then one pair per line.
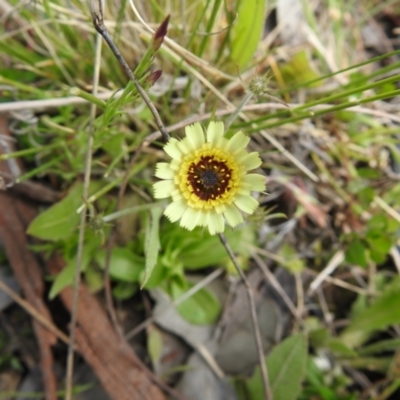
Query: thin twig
x,y
328,317
79,256
300,294
98,22
394,252
256,327
276,285
33,312
348,286
107,283
334,262
385,207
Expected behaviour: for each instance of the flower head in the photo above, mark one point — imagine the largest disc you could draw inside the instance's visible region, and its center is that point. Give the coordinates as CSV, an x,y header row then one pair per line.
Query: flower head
x,y
208,178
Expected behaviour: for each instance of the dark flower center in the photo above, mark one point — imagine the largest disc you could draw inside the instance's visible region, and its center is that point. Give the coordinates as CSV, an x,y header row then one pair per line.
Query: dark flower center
x,y
209,178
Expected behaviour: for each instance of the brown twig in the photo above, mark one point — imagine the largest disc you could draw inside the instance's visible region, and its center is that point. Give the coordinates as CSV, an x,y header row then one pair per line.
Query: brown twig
x,y
270,277
256,327
98,22
37,315
107,284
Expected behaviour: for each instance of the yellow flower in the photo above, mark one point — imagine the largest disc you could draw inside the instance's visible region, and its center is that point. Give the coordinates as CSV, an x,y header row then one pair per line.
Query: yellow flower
x,y
208,178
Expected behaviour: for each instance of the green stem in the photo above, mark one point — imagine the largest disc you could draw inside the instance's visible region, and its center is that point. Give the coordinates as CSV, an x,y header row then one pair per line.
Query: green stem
x,y
327,110
328,99
38,170
27,152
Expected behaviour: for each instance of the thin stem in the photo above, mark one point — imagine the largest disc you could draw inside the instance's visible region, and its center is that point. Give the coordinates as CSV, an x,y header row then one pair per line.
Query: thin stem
x,y
79,257
98,22
33,312
239,108
256,327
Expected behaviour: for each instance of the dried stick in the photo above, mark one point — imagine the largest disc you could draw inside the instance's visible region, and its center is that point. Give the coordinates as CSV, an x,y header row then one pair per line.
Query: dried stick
x,y
256,327
98,22
36,314
270,277
82,227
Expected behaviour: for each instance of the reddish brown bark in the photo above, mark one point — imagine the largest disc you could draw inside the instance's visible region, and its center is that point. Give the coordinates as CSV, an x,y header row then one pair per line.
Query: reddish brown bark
x,y
14,214
110,356
27,271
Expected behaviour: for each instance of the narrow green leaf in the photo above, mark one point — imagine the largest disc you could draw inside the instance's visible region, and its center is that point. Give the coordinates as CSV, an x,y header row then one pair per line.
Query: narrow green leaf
x,y
125,266
152,244
154,345
63,279
378,364
286,369
247,30
379,347
340,349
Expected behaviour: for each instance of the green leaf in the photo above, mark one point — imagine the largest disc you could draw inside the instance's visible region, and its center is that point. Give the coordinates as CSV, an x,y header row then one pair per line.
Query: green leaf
x,y
292,261
379,347
378,364
195,247
125,266
383,312
124,290
339,348
201,308
60,220
63,279
66,276
318,337
154,345
114,144
94,279
379,247
247,30
152,244
286,369
355,253
298,70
